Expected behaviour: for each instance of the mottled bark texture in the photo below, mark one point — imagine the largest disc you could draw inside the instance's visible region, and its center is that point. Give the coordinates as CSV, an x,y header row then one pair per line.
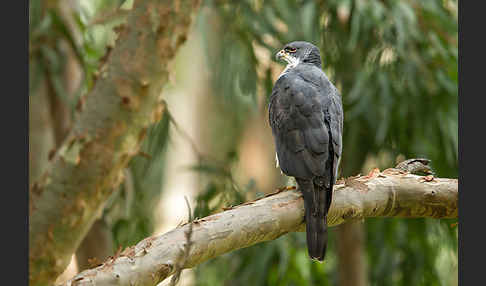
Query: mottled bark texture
x,y
390,193
112,121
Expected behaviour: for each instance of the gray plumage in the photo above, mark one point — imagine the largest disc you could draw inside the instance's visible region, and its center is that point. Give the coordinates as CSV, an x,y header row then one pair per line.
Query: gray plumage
x,y
306,116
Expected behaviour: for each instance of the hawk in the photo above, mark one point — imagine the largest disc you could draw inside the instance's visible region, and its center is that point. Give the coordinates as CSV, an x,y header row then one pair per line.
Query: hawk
x,y
306,117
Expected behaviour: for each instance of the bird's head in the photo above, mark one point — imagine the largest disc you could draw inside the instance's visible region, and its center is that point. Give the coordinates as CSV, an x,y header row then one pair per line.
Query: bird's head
x,y
300,52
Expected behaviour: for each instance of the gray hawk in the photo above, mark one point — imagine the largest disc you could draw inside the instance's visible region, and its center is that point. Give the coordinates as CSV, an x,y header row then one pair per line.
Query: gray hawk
x,y
306,116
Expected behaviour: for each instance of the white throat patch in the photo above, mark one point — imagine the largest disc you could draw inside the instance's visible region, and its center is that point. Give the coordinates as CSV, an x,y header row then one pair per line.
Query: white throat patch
x,y
292,64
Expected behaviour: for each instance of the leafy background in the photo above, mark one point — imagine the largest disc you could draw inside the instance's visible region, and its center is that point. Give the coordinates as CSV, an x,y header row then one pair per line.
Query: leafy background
x,y
395,63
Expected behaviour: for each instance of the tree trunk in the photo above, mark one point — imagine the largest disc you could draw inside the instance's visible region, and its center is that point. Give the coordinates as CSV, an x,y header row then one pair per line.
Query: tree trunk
x,y
112,123
351,254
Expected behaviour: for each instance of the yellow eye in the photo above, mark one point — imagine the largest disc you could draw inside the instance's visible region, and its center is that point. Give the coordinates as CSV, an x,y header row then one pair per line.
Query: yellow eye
x,y
290,50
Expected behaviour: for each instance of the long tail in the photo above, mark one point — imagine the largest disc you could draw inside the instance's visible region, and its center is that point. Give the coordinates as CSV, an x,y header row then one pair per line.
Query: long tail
x,y
316,204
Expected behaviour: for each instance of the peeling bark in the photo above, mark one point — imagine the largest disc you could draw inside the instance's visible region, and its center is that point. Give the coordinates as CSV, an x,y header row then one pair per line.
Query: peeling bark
x,y
390,193
107,133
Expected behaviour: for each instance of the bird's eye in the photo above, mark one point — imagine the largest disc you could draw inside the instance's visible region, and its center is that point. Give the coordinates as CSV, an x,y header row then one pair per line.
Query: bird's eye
x,y
290,50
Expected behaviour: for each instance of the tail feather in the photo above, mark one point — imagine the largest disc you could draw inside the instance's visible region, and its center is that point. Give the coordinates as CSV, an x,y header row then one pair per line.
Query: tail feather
x,y
316,206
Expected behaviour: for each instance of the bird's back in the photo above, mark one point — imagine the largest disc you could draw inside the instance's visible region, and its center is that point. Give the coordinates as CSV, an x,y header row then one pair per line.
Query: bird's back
x,y
300,101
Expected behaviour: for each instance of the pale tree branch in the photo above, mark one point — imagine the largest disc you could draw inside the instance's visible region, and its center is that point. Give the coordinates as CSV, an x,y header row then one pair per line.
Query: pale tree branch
x,y
391,193
110,127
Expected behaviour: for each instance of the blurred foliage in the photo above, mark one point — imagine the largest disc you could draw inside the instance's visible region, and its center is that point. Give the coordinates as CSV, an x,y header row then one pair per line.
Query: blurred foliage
x,y
53,32
395,63
48,36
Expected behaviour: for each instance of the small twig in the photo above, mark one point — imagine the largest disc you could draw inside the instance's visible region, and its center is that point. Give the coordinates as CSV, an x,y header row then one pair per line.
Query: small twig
x,y
181,261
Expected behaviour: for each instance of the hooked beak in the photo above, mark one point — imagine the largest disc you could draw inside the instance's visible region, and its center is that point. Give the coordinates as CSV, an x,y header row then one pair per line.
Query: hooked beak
x,y
288,58
281,55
